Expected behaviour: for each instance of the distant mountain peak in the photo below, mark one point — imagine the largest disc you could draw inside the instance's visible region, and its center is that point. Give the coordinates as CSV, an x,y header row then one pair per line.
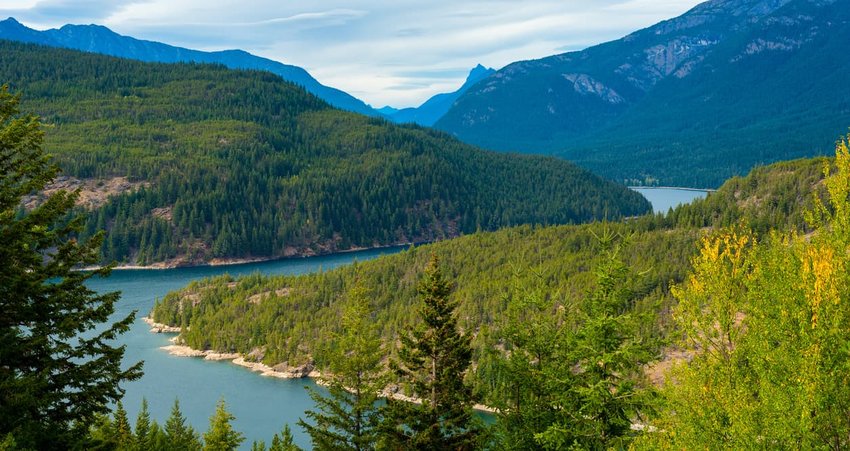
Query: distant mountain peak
x,y
434,108
478,72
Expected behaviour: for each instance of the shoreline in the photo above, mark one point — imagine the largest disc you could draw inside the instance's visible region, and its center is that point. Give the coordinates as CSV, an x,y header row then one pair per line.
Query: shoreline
x,y
304,371
242,261
680,188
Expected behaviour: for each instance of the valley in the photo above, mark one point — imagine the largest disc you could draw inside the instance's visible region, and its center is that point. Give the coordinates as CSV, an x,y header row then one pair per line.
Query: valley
x,y
627,227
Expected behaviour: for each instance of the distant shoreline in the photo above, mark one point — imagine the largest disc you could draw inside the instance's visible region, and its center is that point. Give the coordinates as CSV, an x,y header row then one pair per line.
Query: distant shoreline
x,y
243,261
680,188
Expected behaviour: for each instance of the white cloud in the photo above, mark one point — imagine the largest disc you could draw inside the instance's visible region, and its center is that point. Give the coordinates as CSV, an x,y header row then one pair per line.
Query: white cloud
x,y
397,52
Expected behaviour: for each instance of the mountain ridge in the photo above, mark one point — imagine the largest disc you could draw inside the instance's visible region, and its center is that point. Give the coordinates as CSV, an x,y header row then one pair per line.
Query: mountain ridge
x,y
430,111
631,109
100,39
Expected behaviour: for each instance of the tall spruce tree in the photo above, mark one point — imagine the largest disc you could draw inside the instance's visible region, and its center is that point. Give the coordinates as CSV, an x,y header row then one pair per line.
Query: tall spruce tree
x,y
433,360
143,428
284,441
221,436
179,435
348,418
59,368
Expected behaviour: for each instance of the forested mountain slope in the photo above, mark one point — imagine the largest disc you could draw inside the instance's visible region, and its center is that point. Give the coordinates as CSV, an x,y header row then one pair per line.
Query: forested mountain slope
x,y
290,319
99,39
691,101
216,163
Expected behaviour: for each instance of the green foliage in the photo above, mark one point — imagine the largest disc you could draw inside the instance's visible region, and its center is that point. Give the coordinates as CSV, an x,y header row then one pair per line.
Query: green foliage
x,y
221,436
123,437
284,441
179,435
766,324
348,418
144,431
243,164
568,373
433,359
59,368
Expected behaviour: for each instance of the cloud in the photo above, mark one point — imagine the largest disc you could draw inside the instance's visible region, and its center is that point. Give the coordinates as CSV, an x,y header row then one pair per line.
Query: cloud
x,y
48,13
397,52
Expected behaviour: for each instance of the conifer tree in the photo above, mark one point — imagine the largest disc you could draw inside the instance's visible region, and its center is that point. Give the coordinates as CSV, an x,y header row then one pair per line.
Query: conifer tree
x,y
348,418
433,360
54,380
221,436
158,439
284,441
123,433
143,428
179,435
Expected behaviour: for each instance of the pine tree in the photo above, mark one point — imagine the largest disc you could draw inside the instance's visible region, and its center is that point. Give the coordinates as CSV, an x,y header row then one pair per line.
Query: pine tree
x,y
143,428
348,418
180,436
433,359
123,433
221,436
158,438
284,441
597,385
54,381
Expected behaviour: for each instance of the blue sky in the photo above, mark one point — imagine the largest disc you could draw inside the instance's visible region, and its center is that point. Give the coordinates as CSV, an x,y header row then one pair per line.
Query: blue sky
x,y
395,52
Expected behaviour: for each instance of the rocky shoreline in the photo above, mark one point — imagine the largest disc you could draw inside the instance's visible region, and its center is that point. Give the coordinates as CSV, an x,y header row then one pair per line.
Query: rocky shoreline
x,y
159,328
281,371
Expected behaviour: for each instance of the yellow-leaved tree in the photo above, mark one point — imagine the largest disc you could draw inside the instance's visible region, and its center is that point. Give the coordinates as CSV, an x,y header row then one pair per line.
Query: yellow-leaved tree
x,y
768,325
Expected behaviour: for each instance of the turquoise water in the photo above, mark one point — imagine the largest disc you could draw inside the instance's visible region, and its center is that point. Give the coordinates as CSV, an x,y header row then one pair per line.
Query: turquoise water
x,y
262,405
663,199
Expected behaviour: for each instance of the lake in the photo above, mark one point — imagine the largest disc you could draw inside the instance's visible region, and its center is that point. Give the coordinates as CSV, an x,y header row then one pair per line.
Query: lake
x,y
663,199
262,405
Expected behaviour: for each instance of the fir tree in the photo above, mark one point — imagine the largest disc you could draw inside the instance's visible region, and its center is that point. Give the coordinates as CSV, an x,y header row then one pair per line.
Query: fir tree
x,y
54,381
123,438
348,419
284,441
433,359
180,436
143,428
221,436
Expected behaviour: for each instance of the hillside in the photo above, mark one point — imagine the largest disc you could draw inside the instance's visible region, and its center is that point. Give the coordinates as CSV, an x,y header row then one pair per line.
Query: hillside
x,y
99,39
210,163
287,320
691,101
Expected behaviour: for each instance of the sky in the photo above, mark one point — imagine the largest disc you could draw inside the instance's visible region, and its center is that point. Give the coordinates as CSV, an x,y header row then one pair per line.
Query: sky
x,y
385,52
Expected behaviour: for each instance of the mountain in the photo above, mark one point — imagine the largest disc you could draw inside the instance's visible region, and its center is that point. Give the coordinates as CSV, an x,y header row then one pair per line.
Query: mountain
x,y
99,39
691,101
434,108
387,110
189,163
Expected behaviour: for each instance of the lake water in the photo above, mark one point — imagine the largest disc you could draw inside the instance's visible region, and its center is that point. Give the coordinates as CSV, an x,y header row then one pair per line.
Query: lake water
x,y
262,405
663,199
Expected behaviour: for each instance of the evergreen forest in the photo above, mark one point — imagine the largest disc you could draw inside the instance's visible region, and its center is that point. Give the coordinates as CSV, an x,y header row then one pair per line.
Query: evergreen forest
x,y
227,164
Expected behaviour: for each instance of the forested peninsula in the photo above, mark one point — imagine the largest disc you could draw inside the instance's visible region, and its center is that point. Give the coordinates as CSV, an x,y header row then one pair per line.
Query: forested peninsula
x,y
187,164
289,322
